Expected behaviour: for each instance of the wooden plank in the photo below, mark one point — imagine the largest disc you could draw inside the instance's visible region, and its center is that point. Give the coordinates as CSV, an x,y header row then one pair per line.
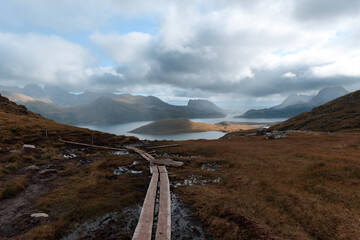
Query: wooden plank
x,y
163,146
144,227
167,162
93,146
144,154
154,169
163,229
162,169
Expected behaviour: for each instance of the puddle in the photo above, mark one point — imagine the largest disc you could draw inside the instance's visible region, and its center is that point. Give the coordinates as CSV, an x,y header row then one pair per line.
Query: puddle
x,y
195,180
68,154
166,155
211,167
123,152
134,163
123,170
183,225
109,226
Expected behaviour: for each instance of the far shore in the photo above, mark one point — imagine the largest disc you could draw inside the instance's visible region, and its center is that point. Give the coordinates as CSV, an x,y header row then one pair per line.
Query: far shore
x,y
177,126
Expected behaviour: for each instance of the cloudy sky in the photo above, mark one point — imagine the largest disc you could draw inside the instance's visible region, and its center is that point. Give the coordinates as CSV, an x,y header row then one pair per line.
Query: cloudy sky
x,y
242,52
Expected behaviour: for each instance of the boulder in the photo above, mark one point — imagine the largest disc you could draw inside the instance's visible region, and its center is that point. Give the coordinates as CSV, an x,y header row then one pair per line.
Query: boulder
x,y
39,215
275,135
261,132
28,146
31,168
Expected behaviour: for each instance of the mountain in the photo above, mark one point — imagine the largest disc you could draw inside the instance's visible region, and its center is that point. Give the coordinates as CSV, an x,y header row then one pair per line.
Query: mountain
x,y
54,95
340,114
9,107
18,97
104,108
203,105
326,95
296,104
293,99
122,108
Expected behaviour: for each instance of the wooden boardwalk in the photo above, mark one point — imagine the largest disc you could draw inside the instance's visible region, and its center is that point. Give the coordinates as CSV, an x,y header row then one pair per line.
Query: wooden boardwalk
x,y
163,229
144,228
152,160
145,224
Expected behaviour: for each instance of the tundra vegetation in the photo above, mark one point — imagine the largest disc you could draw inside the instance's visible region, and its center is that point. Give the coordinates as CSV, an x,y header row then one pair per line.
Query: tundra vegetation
x,y
304,186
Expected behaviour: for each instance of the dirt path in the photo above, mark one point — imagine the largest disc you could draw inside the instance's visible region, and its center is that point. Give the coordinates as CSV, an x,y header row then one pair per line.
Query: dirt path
x,y
15,212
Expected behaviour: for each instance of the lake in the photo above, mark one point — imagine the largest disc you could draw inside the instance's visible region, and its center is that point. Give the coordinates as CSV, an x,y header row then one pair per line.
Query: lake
x,y
124,128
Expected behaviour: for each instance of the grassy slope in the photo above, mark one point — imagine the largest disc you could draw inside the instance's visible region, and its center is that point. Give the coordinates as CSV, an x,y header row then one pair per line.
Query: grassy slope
x,y
306,186
173,126
338,115
74,192
302,187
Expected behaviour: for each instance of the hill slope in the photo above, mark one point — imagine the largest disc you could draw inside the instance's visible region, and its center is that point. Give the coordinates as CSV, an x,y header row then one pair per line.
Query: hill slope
x,y
340,114
296,104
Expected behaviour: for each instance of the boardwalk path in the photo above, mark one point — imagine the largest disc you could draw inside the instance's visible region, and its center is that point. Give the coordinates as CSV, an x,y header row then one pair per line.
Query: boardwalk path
x,y
160,178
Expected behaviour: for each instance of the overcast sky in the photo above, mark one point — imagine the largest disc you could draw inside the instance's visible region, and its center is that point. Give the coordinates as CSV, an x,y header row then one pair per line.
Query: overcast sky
x,y
245,52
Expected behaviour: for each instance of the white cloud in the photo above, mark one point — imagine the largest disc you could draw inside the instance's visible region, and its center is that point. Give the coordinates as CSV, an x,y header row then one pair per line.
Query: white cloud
x,y
131,49
211,46
348,66
42,58
289,75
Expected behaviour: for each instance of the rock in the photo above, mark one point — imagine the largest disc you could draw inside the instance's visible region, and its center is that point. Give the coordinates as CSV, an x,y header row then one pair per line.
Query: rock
x,y
261,132
39,215
28,146
275,135
48,171
31,168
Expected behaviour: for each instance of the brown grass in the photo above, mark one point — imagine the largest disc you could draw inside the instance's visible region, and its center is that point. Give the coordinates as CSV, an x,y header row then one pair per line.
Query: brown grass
x,y
13,187
301,187
306,186
77,192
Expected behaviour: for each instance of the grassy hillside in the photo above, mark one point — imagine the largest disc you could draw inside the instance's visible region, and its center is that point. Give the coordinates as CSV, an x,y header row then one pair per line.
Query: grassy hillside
x,y
302,187
173,126
71,184
338,115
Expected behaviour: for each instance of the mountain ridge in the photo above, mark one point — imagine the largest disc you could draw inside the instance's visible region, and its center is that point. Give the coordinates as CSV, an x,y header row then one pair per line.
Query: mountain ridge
x,y
111,108
342,113
284,110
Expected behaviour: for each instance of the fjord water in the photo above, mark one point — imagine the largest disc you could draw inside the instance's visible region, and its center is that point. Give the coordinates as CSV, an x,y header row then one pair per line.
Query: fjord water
x,y
124,128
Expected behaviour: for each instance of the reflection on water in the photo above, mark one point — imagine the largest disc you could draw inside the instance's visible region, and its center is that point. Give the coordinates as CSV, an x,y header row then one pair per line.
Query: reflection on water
x,y
124,128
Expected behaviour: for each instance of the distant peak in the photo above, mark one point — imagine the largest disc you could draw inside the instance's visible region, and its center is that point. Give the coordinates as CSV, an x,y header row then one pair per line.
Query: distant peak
x,y
339,89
